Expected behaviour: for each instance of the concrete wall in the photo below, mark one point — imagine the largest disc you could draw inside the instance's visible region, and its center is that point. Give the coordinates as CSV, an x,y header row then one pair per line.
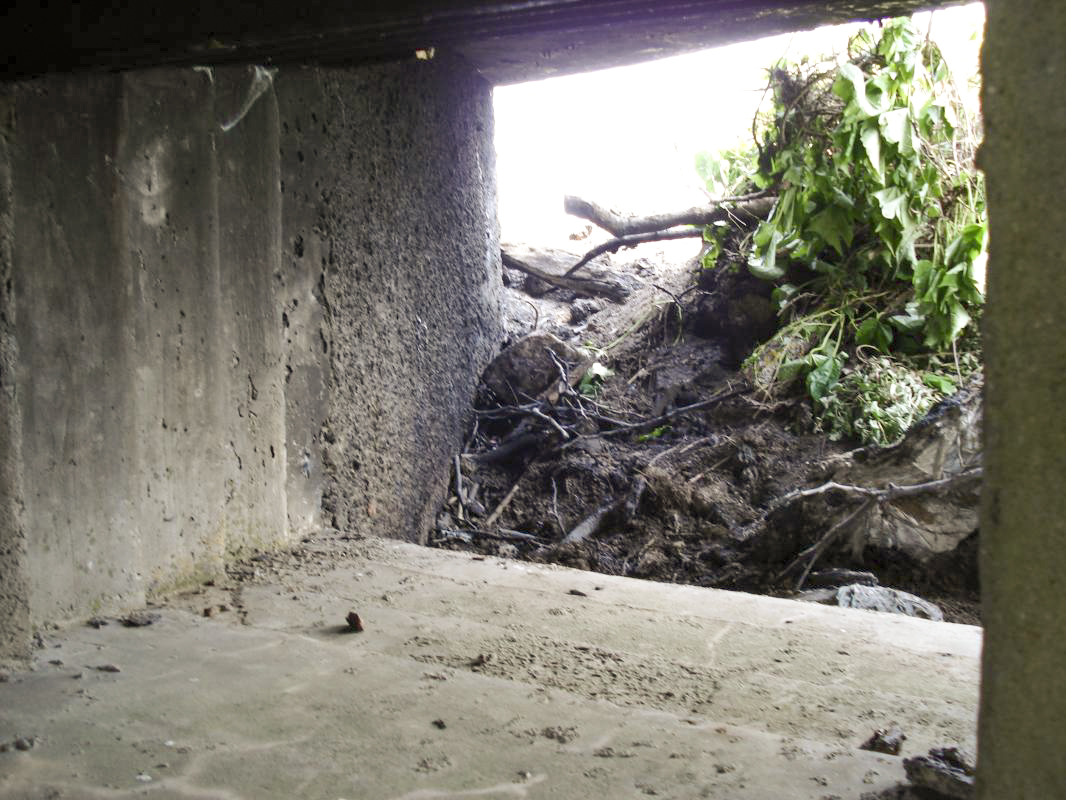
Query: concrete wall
x,y
232,293
14,588
1023,526
399,237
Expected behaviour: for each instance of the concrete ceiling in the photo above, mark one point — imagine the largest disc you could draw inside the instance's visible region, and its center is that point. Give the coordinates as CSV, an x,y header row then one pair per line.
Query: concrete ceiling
x,y
508,41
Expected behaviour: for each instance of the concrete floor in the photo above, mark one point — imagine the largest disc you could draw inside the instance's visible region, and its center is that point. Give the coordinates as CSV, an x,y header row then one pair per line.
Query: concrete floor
x,y
479,679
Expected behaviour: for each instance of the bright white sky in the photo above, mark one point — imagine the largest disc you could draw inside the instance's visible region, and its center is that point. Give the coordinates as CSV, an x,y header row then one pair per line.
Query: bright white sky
x,y
627,137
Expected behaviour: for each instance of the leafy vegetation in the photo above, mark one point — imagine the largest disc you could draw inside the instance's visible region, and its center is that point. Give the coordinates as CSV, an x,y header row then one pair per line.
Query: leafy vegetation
x,y
876,236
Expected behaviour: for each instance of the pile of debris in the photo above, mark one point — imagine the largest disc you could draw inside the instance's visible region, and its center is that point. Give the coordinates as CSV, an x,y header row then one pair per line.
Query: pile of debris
x,y
616,433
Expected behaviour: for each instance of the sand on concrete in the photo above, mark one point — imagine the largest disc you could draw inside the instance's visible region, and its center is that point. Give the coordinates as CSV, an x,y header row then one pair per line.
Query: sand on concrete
x,y
478,678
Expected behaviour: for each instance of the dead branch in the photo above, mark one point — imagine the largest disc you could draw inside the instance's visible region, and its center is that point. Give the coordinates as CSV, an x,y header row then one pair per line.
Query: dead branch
x,y
753,209
816,550
637,239
588,526
495,515
746,208
870,495
890,492
662,418
504,534
588,287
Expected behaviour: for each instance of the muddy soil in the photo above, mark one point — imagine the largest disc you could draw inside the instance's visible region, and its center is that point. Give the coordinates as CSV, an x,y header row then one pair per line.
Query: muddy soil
x,y
685,500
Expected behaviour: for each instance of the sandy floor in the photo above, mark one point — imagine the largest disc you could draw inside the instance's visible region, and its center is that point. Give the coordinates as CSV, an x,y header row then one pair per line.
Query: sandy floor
x,y
479,678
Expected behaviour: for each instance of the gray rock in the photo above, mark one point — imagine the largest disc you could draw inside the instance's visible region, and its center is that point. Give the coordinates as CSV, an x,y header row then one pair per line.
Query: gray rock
x,y
874,598
881,598
946,771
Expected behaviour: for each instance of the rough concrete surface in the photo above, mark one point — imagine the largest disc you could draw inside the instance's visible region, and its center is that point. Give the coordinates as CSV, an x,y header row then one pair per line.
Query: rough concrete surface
x,y
393,230
1023,517
14,589
510,41
479,678
227,293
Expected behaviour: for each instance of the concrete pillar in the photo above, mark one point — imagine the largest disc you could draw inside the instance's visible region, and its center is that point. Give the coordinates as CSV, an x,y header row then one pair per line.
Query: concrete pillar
x,y
393,282
14,589
234,304
1023,526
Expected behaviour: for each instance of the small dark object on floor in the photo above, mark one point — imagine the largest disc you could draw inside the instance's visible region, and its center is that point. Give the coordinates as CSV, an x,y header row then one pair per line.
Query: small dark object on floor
x,y
355,624
481,660
577,593
885,740
439,723
25,743
107,668
140,619
97,622
946,772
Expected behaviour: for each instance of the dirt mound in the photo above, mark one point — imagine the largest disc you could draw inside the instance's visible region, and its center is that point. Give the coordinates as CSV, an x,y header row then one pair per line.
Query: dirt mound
x,y
648,455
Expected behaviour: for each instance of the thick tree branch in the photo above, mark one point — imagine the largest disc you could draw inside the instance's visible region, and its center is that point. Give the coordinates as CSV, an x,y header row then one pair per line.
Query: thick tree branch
x,y
589,287
614,245
745,209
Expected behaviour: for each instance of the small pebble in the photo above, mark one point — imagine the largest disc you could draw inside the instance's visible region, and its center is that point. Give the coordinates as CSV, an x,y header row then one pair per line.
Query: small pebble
x,y
439,723
107,668
25,743
144,777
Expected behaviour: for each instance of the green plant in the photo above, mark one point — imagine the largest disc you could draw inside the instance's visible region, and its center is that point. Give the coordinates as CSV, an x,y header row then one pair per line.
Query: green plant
x,y
654,433
592,381
878,224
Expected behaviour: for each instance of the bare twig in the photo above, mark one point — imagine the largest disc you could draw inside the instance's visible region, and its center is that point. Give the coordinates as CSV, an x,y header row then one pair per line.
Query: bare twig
x,y
507,498
536,412
871,495
635,240
502,533
590,524
711,468
555,508
590,287
659,420
683,447
816,550
891,492
459,487
536,314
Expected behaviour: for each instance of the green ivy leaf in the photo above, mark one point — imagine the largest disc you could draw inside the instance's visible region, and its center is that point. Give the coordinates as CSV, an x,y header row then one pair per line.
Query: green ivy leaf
x,y
893,203
765,266
896,128
824,376
851,86
874,333
941,383
834,226
871,143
